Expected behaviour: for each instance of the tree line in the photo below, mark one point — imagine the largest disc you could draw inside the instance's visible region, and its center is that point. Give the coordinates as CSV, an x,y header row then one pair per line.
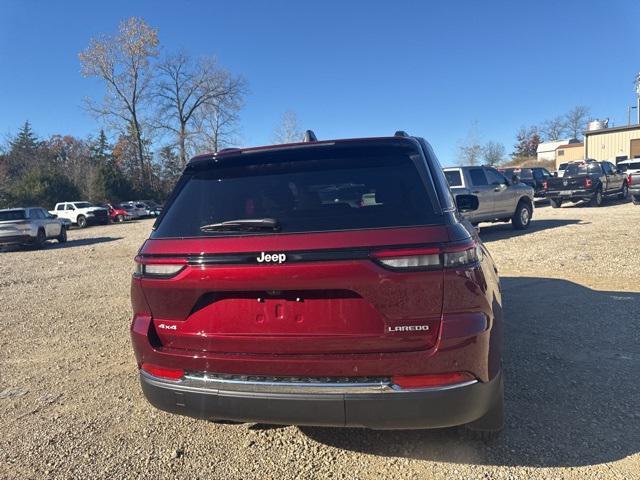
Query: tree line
x,y
158,110
571,125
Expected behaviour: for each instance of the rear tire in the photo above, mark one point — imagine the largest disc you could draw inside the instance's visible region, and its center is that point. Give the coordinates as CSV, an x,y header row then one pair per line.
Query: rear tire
x,y
635,199
41,239
624,193
119,218
597,199
81,221
522,217
63,235
489,426
555,202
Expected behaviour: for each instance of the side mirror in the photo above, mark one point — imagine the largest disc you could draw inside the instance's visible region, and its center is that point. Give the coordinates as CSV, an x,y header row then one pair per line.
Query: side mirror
x,y
515,179
53,215
467,203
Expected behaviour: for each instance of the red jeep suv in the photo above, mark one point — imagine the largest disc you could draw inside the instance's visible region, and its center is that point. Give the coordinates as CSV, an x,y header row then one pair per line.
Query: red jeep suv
x,y
320,283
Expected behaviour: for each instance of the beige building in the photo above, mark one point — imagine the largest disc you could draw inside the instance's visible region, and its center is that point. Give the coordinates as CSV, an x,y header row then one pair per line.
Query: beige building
x,y
569,153
613,144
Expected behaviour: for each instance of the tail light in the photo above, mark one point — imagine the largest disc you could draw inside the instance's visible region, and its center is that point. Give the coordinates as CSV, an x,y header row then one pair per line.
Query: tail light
x,y
428,258
588,183
430,381
163,372
629,179
545,185
159,267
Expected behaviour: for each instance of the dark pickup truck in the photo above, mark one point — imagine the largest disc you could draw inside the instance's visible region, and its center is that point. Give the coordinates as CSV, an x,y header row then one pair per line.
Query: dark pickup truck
x,y
532,176
587,181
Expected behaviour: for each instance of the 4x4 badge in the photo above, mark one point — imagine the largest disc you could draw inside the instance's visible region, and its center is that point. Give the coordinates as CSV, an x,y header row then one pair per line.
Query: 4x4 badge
x,y
271,257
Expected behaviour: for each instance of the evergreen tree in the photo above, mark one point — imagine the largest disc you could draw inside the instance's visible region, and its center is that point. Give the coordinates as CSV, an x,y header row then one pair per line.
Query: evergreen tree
x,y
24,151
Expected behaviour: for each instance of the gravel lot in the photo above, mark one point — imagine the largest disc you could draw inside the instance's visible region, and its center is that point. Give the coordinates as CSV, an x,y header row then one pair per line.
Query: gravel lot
x,y
71,407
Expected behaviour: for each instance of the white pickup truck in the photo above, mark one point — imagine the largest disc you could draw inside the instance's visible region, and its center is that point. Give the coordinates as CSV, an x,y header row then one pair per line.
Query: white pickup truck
x,y
81,213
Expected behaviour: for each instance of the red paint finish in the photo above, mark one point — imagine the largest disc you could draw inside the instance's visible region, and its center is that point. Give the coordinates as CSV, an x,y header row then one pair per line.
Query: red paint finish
x,y
325,318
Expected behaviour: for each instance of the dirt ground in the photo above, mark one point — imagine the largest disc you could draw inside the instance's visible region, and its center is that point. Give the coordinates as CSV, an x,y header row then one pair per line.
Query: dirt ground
x,y
71,406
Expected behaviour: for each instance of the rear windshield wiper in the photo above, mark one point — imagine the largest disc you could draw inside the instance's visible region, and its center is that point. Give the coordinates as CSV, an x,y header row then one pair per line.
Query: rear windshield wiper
x,y
244,224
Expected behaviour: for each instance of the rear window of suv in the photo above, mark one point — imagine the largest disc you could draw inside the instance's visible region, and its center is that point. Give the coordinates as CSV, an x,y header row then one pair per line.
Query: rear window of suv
x,y
9,215
304,190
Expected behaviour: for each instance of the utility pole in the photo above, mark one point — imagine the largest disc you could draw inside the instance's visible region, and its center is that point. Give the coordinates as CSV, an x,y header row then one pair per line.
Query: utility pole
x,y
638,98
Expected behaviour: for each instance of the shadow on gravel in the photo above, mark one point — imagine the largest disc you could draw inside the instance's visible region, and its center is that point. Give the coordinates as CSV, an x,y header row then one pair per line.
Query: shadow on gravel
x,y
571,359
81,242
500,231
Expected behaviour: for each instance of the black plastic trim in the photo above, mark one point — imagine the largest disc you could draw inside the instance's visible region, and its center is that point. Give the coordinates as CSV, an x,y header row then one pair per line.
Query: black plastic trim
x,y
385,410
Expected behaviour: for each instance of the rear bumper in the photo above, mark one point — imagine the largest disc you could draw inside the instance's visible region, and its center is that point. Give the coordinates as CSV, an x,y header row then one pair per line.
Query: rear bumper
x,y
634,189
16,239
382,409
571,194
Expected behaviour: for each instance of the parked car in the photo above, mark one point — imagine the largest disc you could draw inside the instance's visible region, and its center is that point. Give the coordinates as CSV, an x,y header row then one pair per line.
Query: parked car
x,y
133,210
256,301
153,209
631,168
81,213
533,176
116,214
501,199
30,226
590,181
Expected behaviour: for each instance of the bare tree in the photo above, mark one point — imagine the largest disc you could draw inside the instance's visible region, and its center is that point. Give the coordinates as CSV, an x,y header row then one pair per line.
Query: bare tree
x,y
493,153
188,86
288,131
469,149
123,62
576,121
554,129
217,124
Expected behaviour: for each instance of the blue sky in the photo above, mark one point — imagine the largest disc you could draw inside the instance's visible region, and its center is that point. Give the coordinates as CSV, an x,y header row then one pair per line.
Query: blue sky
x,y
359,68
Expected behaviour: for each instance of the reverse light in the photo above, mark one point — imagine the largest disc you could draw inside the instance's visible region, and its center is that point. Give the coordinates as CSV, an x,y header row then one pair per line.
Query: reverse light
x,y
430,381
414,258
426,258
163,372
158,268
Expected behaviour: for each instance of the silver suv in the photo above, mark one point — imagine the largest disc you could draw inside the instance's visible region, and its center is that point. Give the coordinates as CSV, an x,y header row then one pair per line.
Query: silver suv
x,y
500,199
30,226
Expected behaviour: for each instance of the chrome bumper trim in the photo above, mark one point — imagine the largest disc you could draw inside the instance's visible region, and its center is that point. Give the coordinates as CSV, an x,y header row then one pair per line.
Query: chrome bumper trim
x,y
285,385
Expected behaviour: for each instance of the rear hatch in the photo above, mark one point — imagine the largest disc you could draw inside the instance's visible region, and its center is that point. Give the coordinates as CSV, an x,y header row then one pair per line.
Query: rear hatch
x,y
275,252
13,223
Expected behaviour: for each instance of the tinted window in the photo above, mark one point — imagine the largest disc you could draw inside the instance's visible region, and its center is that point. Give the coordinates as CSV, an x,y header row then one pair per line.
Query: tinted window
x,y
607,168
83,205
60,207
582,168
70,206
629,166
36,213
478,177
494,177
8,215
453,178
303,190
521,172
